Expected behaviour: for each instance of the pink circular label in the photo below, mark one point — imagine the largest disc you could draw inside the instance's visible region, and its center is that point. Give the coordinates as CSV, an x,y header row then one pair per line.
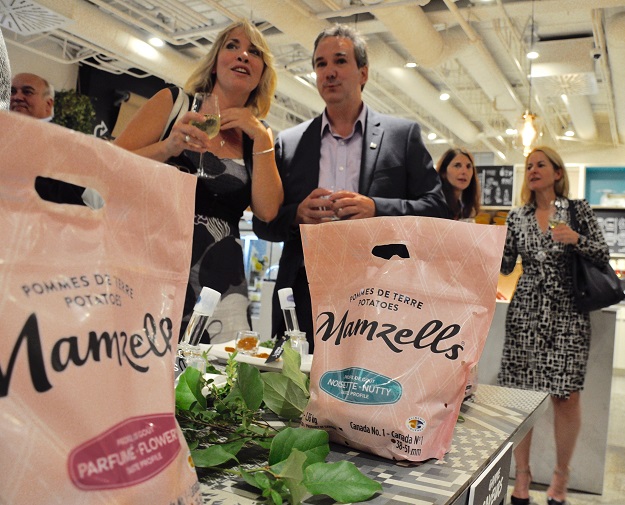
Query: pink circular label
x,y
131,452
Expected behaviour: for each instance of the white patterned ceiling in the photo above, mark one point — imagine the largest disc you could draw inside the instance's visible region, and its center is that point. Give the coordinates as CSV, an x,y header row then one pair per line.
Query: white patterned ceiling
x,y
475,49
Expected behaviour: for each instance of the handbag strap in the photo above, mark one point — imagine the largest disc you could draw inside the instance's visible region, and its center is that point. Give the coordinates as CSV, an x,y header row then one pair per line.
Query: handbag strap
x,y
573,216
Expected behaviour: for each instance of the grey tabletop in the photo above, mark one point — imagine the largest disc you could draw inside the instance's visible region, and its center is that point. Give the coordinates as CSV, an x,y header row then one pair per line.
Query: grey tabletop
x,y
492,417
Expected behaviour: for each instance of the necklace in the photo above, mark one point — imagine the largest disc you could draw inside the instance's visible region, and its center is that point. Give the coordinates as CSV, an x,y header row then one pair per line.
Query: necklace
x,y
231,136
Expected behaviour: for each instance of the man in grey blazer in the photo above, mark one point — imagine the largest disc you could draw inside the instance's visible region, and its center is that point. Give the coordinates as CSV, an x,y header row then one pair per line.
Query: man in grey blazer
x,y
348,163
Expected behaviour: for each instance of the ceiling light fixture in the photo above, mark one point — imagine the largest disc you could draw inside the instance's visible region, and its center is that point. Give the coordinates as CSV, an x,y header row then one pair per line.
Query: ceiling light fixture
x,y
529,129
411,64
444,96
532,55
431,136
156,42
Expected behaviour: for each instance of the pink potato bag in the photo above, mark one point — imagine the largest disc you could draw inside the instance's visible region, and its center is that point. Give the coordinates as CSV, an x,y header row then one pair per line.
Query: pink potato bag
x,y
396,336
90,303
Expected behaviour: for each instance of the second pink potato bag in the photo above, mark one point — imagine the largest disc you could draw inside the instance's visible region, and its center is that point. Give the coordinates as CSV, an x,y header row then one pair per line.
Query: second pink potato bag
x,y
395,338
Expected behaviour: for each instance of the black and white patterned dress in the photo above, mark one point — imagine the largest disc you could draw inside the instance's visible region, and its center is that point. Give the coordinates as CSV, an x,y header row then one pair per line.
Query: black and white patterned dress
x,y
547,339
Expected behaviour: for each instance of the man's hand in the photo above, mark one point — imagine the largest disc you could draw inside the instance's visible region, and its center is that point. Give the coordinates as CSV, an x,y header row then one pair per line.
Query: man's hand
x,y
315,208
350,205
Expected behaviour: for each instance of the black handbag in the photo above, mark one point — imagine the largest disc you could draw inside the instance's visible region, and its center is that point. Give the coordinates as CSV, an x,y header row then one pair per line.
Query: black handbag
x,y
594,287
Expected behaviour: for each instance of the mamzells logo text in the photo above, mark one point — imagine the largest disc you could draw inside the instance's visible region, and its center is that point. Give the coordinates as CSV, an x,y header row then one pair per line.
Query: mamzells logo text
x,y
435,335
126,349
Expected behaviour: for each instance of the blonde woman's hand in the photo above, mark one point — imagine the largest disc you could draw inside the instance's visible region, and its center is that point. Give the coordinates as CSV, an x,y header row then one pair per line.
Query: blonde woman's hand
x,y
242,118
564,234
184,135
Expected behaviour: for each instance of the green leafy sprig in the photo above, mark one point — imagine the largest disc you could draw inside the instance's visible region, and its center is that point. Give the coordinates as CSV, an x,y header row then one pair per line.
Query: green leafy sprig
x,y
222,423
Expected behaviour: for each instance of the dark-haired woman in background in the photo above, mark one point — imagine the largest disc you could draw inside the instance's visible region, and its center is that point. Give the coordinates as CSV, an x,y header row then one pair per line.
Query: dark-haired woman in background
x,y
461,186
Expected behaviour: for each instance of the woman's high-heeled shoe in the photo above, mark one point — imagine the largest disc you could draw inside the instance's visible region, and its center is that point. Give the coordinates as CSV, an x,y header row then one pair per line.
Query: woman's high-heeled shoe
x,y
553,501
522,501
564,474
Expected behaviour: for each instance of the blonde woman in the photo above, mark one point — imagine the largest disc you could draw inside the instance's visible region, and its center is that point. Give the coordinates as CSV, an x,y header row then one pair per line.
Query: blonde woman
x,y
239,71
547,338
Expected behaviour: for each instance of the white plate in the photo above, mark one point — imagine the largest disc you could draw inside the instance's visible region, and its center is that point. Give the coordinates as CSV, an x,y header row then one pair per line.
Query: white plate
x,y
219,351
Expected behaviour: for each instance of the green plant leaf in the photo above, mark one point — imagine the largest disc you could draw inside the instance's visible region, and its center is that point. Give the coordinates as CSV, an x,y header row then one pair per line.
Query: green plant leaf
x,y
250,478
292,472
262,480
291,364
189,390
218,454
284,397
230,418
251,386
341,481
313,443
275,497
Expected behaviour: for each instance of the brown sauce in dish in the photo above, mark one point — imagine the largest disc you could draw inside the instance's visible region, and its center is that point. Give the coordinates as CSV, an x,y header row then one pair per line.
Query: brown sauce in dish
x,y
247,343
260,355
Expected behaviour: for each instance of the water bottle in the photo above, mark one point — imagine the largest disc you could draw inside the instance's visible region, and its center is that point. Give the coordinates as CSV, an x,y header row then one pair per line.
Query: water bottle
x,y
189,352
297,337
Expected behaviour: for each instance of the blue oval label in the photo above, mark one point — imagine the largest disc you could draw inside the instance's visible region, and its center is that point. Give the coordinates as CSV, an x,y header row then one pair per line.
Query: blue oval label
x,y
357,385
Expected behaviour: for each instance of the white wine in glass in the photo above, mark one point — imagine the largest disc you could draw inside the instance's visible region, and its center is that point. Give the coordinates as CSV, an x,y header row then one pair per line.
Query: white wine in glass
x,y
208,105
556,217
555,214
210,125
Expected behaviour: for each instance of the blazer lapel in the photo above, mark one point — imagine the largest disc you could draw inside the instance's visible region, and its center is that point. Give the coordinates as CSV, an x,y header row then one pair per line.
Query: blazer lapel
x,y
372,142
309,153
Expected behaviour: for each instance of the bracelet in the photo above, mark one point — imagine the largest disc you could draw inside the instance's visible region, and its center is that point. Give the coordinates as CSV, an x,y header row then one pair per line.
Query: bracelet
x,y
266,151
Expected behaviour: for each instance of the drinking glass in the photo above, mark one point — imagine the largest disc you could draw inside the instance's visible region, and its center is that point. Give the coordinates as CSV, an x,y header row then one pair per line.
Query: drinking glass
x,y
247,342
208,105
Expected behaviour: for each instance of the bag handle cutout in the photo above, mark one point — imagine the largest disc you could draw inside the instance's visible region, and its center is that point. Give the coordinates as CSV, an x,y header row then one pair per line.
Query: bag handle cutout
x,y
388,251
62,192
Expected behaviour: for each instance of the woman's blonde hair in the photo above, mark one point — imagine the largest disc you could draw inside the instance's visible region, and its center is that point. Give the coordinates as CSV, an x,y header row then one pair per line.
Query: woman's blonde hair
x,y
561,187
204,76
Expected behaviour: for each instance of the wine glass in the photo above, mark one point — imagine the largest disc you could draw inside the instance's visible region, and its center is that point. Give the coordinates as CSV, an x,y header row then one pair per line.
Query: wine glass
x,y
556,216
207,104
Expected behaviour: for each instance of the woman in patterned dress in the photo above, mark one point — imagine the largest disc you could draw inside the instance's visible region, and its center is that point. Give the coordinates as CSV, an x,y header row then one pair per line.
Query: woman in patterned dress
x,y
239,160
547,338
